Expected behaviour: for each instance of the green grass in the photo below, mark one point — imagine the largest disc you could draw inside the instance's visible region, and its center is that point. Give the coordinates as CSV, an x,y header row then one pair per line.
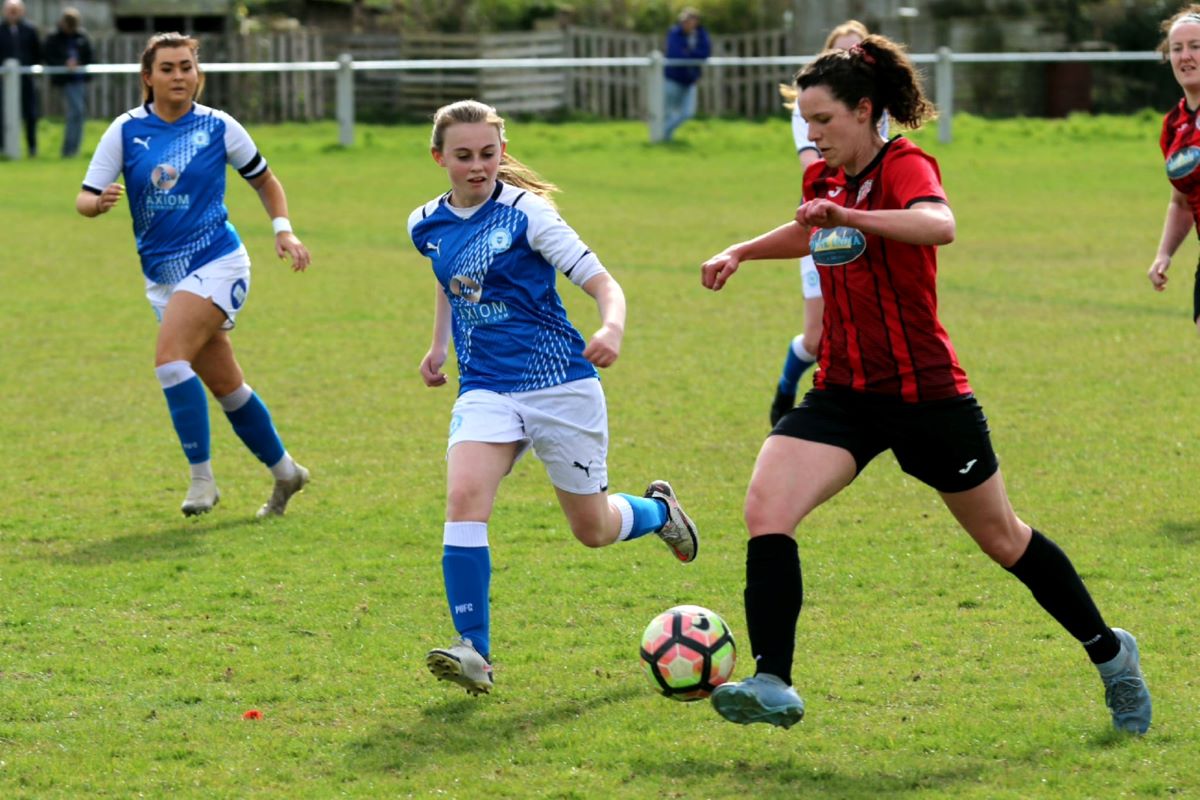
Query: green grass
x,y
131,640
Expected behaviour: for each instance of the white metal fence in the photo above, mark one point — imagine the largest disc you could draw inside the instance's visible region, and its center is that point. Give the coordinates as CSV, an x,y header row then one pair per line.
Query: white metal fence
x,y
649,67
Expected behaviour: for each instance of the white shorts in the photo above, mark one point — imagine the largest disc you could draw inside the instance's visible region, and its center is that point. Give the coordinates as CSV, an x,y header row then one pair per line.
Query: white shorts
x,y
567,425
810,281
225,281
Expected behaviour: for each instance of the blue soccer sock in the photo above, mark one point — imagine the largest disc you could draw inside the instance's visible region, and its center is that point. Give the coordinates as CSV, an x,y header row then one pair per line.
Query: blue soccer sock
x,y
252,423
639,515
188,407
467,572
798,360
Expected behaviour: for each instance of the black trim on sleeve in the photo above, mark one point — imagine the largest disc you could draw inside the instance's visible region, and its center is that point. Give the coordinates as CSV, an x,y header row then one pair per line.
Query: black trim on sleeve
x,y
94,191
519,197
251,167
812,147
929,199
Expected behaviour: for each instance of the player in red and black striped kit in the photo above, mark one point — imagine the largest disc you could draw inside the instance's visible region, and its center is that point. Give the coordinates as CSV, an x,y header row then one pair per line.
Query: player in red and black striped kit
x,y
1180,142
873,216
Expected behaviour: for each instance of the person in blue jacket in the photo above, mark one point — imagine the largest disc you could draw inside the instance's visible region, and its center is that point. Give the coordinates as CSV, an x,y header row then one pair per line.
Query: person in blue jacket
x,y
687,39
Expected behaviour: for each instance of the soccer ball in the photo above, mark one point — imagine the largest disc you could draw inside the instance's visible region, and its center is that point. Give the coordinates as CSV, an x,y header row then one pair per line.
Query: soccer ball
x,y
687,651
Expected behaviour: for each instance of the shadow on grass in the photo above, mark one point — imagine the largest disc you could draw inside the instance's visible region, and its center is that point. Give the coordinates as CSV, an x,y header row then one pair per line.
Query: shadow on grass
x,y
184,540
790,776
1185,533
459,726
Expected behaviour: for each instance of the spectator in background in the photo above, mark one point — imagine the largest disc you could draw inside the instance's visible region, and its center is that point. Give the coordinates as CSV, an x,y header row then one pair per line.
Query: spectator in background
x,y
687,39
20,40
69,47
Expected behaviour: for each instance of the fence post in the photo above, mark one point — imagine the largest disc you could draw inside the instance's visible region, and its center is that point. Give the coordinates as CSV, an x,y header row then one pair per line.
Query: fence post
x,y
345,100
655,99
12,109
945,94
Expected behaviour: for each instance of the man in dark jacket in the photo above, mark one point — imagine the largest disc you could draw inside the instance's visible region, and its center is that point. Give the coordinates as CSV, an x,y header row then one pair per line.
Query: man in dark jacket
x,y
69,47
688,39
19,40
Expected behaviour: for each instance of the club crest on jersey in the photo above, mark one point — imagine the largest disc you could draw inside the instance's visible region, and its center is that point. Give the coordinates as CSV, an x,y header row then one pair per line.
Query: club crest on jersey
x,y
864,190
499,240
467,288
164,177
237,294
832,247
201,138
1183,163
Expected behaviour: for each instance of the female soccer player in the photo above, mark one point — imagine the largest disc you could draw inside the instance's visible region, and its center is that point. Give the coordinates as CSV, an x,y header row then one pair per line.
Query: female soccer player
x,y
172,152
802,350
526,376
873,216
1180,142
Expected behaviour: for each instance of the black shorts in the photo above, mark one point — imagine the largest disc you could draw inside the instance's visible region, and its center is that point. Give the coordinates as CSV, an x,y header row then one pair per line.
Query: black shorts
x,y
942,443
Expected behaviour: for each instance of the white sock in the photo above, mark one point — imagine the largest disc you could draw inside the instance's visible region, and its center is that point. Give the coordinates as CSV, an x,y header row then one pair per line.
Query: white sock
x,y
622,505
202,471
236,399
285,468
173,373
465,534
801,350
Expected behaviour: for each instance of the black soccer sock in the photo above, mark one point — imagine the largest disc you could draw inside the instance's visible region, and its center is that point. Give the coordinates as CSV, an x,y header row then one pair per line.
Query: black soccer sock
x,y
1055,584
774,594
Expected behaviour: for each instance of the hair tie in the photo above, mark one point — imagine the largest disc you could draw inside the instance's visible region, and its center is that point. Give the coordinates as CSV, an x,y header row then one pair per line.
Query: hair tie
x,y
860,51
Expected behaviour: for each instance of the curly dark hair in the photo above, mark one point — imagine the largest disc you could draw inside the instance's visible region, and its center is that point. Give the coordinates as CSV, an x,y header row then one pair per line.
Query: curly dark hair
x,y
877,69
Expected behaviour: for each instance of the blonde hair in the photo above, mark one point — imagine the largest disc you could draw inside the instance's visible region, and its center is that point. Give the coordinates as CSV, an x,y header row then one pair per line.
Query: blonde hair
x,y
161,41
511,171
1189,13
850,27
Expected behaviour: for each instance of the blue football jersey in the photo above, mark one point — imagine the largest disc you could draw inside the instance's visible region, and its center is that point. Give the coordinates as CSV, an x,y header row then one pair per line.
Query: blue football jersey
x,y
175,184
497,268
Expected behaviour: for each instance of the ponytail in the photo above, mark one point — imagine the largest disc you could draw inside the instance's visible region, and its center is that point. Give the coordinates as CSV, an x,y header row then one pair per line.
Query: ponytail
x,y
877,69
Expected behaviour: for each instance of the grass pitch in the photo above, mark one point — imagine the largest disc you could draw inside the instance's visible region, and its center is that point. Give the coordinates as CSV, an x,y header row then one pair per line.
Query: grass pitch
x,y
132,641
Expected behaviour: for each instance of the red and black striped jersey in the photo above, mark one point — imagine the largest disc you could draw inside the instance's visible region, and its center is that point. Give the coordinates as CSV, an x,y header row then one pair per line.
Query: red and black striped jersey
x,y
881,334
1180,142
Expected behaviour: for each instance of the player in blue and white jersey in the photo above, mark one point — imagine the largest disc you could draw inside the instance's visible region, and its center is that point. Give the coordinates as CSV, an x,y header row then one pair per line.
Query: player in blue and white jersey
x,y
172,152
803,349
526,375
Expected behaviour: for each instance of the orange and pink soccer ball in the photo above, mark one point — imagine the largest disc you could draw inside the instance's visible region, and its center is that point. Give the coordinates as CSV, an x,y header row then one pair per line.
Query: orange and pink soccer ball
x,y
687,651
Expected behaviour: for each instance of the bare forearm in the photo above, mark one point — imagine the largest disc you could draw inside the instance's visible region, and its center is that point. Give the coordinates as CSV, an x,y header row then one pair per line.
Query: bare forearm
x,y
931,224
789,240
1176,226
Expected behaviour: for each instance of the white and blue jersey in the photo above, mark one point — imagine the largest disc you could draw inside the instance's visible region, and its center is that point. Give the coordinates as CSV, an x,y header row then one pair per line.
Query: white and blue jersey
x,y
496,264
175,183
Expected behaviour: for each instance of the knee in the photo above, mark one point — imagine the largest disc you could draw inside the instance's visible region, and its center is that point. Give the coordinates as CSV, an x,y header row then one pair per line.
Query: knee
x,y
590,536
464,503
1004,541
762,517
589,531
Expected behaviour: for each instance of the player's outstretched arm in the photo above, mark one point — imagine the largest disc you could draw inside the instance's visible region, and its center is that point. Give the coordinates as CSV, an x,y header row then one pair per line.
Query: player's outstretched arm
x,y
789,240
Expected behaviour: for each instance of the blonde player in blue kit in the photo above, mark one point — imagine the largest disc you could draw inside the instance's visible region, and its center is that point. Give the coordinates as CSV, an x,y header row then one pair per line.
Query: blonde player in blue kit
x,y
173,153
526,375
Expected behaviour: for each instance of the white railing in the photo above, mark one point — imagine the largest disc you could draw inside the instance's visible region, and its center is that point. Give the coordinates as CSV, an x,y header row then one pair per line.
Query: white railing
x,y
652,66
